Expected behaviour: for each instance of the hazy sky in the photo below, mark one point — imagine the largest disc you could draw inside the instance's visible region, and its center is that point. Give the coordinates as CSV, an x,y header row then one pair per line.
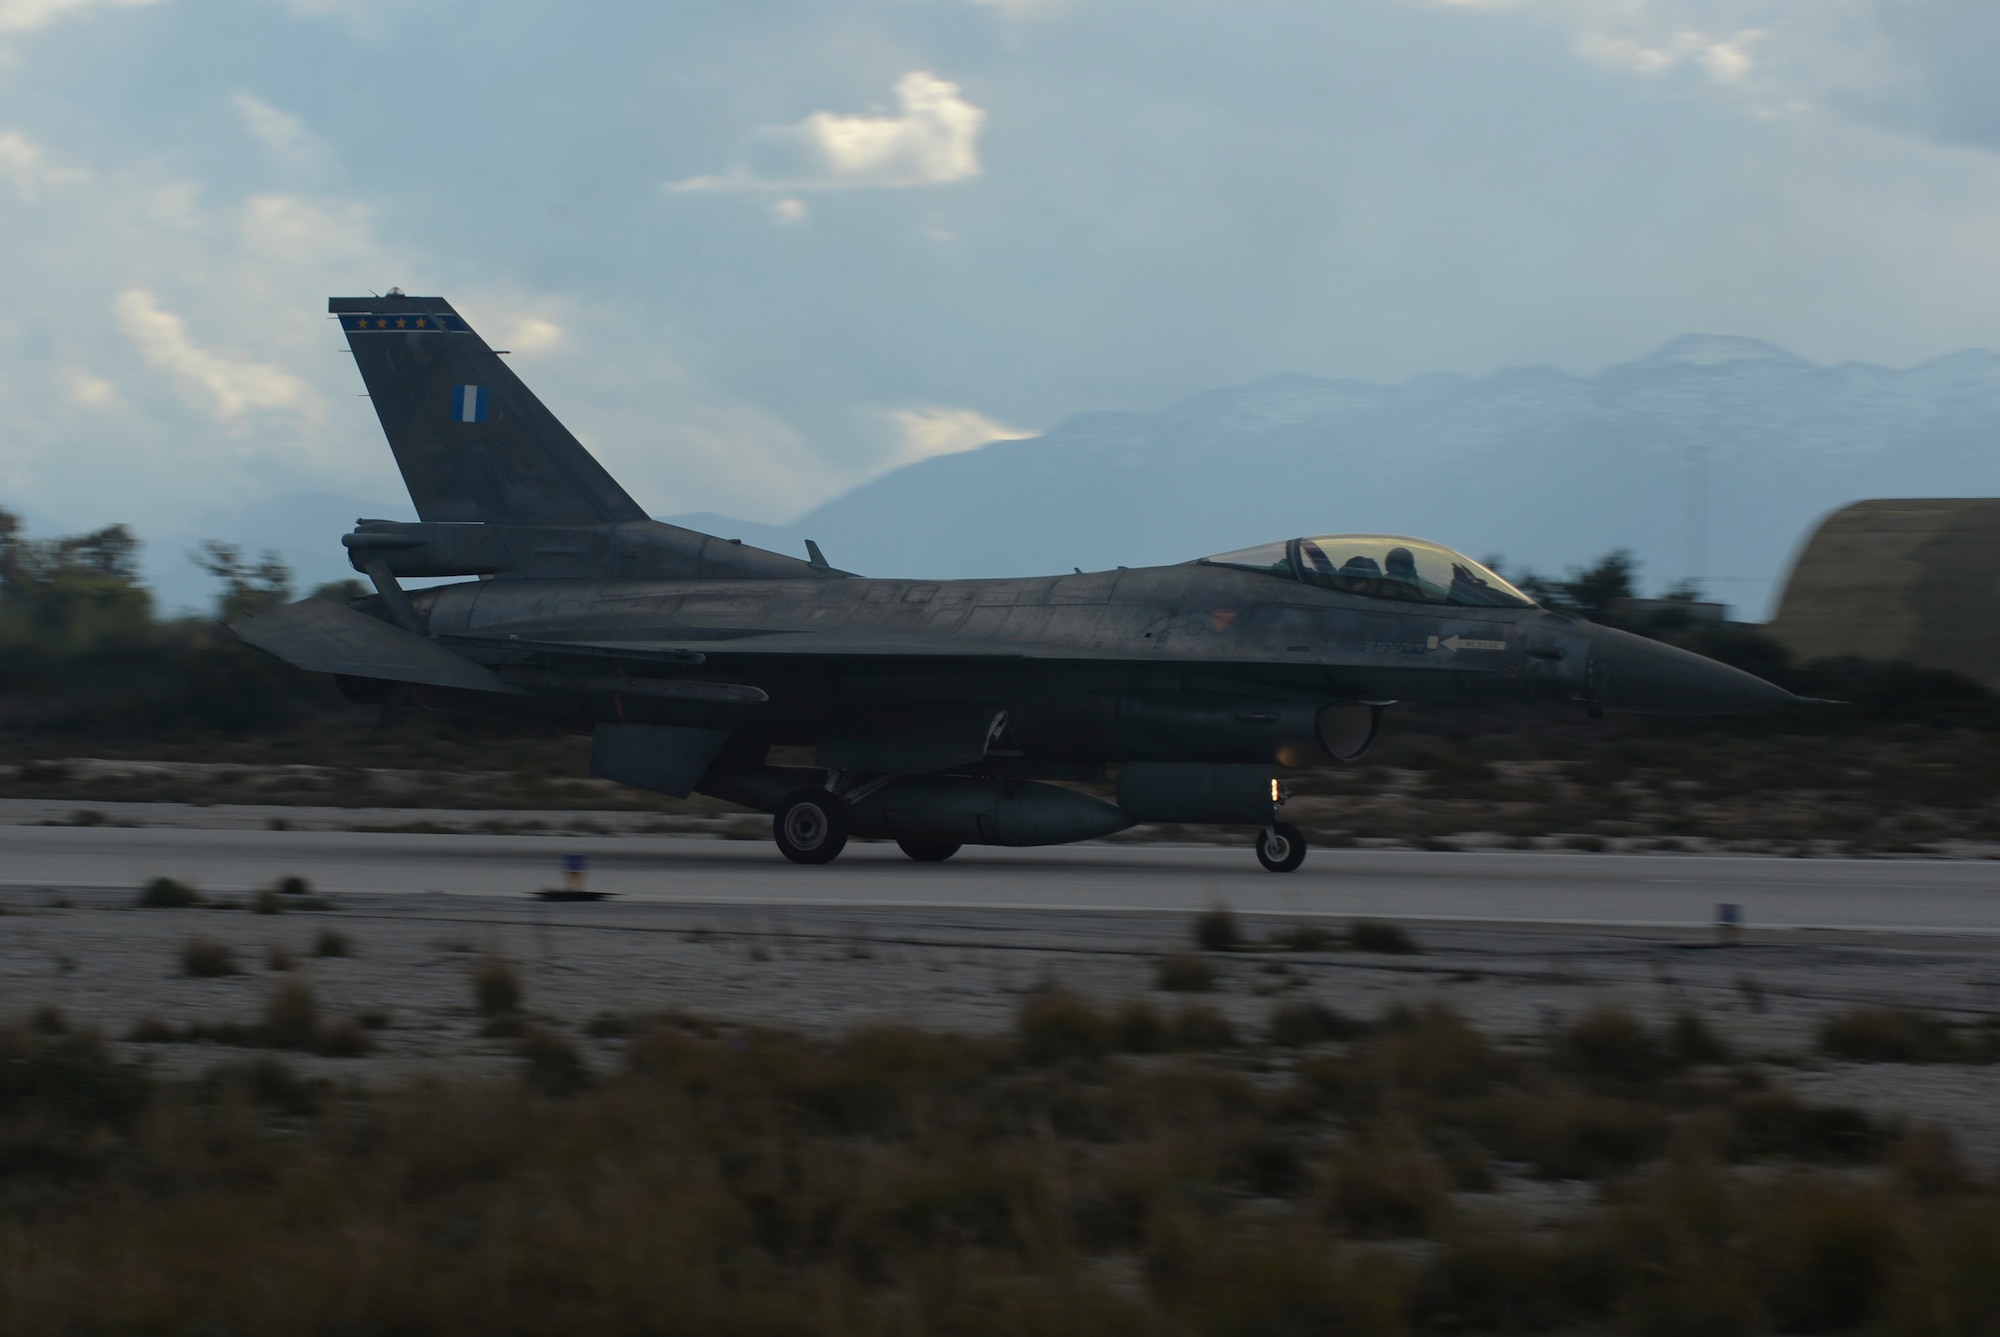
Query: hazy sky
x,y
755,252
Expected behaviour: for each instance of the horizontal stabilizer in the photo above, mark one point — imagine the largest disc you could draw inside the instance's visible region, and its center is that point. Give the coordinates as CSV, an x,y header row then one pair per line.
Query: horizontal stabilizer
x,y
324,637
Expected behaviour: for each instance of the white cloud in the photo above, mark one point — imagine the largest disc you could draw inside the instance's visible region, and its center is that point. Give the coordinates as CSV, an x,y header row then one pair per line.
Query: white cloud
x,y
1727,61
228,387
526,336
291,230
789,210
930,139
22,15
1022,8
86,390
27,163
283,136
1654,37
932,429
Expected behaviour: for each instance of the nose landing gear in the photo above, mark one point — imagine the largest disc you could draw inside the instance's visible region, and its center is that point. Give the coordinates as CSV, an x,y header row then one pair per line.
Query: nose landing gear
x,y
1281,847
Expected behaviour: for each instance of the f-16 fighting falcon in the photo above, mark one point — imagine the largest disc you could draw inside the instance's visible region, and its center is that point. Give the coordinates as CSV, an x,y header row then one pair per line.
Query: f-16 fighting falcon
x,y
939,711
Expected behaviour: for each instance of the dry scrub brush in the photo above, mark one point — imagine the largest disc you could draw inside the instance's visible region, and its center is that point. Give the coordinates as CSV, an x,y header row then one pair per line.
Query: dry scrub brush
x,y
1099,1170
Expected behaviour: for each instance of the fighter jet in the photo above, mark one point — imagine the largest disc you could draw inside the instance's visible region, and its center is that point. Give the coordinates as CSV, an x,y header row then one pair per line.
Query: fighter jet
x,y
940,713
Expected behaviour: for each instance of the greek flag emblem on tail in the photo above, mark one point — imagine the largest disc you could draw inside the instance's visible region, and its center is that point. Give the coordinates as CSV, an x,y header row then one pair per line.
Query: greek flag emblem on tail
x,y
468,403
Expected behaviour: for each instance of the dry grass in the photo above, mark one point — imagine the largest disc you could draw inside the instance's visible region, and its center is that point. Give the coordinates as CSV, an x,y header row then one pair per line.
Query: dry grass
x,y
736,1179
1302,1021
1184,972
205,958
1898,1035
164,893
1376,935
1216,930
1307,938
496,987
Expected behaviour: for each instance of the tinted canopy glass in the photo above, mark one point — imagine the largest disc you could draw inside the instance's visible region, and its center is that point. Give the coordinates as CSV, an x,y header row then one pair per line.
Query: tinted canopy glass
x,y
1381,566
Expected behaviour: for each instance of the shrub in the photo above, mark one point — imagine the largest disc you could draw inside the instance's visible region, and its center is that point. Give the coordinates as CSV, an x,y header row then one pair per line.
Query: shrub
x,y
496,987
1927,1159
1184,972
346,1038
1055,1024
269,1082
164,893
277,957
1138,1028
1435,1050
551,1064
1690,1039
1301,1021
1216,930
266,902
1307,938
1387,1186
1571,1134
1198,1026
1377,935
1889,1035
48,1019
205,958
294,886
1778,1124
1609,1042
150,1030
332,942
71,1081
291,1016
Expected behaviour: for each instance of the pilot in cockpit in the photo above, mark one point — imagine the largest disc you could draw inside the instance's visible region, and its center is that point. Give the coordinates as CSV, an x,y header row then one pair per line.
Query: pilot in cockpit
x,y
1400,564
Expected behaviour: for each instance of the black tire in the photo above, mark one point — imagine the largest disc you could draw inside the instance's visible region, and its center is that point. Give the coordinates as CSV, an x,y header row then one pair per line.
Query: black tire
x,y
1281,847
929,851
810,826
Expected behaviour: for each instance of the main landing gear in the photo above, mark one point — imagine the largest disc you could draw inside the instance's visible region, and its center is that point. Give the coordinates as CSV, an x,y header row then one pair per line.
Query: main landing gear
x,y
810,826
1281,847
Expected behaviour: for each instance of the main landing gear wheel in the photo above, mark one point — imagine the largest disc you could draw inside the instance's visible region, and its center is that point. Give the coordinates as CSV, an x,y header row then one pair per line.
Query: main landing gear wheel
x,y
810,826
1281,848
929,851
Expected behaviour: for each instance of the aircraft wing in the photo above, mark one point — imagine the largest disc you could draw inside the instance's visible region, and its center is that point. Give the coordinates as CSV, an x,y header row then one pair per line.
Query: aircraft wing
x,y
326,637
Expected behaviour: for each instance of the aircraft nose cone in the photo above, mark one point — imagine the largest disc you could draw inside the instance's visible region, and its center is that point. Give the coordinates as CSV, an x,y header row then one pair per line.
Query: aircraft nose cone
x,y
1648,677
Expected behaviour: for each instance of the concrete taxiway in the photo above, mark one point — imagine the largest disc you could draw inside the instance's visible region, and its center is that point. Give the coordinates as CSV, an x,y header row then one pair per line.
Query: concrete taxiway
x,y
1664,891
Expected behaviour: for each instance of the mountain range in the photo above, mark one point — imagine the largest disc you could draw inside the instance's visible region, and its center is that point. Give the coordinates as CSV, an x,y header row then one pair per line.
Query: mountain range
x,y
1711,458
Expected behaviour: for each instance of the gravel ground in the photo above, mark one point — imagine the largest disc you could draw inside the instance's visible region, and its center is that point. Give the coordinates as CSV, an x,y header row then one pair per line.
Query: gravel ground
x,y
108,964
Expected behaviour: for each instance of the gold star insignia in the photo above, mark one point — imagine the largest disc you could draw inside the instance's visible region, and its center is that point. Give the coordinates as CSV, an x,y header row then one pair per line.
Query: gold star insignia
x,y
401,323
420,322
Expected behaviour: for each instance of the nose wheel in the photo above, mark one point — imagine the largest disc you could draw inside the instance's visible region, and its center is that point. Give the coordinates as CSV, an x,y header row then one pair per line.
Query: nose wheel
x,y
1281,847
810,826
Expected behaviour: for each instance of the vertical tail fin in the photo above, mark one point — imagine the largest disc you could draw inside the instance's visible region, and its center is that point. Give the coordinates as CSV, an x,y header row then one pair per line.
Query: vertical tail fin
x,y
473,442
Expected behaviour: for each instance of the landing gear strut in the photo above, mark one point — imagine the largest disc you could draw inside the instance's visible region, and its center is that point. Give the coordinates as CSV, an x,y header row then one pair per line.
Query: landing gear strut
x,y
810,826
1281,847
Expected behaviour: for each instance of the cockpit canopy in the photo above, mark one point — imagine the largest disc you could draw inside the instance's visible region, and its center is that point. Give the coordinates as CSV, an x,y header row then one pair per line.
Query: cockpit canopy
x,y
1380,566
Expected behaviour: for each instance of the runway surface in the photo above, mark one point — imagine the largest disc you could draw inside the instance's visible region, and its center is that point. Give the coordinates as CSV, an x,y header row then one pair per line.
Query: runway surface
x,y
1667,891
